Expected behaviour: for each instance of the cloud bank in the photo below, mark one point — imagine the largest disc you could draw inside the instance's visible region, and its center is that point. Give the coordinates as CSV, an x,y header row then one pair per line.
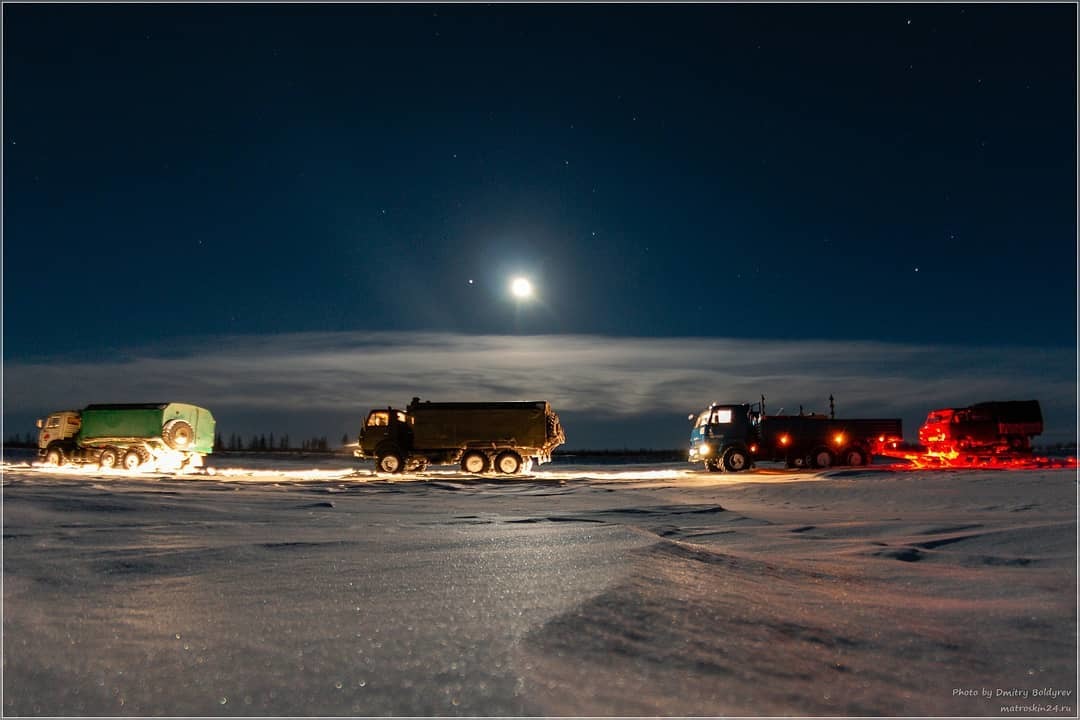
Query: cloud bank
x,y
611,391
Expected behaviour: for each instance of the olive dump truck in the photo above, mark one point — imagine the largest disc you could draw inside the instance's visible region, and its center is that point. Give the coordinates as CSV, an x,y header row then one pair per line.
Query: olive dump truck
x,y
480,436
732,437
172,435
995,428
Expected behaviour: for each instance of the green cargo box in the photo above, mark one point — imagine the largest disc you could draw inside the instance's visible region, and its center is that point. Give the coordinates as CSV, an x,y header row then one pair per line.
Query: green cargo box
x,y
145,421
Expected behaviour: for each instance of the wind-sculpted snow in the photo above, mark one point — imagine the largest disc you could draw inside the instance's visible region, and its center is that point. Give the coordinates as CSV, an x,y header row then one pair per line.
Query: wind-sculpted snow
x,y
315,587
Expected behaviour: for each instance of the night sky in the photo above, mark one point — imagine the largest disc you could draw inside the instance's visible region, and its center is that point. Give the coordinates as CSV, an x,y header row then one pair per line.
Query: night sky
x,y
182,180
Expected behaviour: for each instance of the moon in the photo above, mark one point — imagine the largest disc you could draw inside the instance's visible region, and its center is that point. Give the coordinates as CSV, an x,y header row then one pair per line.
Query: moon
x,y
521,288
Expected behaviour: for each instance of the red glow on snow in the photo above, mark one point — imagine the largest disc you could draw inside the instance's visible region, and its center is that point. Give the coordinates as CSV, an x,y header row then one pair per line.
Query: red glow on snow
x,y
927,460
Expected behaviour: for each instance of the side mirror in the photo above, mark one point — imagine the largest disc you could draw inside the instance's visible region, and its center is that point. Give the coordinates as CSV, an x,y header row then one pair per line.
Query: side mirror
x,y
40,423
688,417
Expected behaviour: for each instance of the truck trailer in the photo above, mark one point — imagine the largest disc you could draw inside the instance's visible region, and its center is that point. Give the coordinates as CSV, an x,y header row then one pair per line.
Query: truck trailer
x,y
171,435
480,436
995,428
733,436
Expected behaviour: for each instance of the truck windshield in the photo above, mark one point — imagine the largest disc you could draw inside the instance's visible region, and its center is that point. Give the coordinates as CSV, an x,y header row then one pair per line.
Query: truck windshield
x,y
54,422
721,417
378,419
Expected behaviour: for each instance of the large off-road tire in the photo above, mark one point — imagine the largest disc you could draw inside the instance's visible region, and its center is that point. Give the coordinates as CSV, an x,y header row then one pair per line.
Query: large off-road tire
x,y
109,457
856,457
54,456
822,458
508,462
474,462
736,460
178,434
390,460
132,459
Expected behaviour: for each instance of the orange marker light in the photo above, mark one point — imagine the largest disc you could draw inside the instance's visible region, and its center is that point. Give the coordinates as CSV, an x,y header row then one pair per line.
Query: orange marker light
x,y
784,439
839,439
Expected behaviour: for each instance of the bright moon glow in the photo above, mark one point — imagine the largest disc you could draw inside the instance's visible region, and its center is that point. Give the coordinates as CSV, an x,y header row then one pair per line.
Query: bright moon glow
x,y
521,287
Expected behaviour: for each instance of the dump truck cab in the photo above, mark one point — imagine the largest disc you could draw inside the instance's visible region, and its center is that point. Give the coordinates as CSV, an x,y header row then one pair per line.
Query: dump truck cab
x,y
58,427
936,428
384,429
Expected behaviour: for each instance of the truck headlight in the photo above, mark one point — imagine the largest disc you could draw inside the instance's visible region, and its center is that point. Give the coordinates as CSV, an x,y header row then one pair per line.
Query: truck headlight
x,y
704,450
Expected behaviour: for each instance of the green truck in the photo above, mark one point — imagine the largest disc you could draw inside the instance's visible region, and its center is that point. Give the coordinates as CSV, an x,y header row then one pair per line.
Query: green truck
x,y
166,435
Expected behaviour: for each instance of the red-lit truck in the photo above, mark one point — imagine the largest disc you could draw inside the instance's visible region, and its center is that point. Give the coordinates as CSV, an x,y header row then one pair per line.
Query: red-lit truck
x,y
987,428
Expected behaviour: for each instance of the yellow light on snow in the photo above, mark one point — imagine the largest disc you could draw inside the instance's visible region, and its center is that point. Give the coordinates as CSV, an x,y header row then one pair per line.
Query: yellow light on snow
x,y
521,288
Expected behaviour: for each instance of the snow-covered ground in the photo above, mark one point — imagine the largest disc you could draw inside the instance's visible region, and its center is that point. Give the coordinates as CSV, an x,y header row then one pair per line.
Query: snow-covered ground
x,y
310,586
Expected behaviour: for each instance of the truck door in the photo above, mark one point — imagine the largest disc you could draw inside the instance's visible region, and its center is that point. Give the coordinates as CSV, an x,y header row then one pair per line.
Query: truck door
x,y
51,430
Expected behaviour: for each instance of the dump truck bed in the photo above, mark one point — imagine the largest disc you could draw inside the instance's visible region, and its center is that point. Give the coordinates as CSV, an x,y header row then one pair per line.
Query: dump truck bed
x,y
145,421
450,425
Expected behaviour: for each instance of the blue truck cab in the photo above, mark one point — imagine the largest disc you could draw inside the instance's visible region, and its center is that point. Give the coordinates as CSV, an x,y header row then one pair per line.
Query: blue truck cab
x,y
725,436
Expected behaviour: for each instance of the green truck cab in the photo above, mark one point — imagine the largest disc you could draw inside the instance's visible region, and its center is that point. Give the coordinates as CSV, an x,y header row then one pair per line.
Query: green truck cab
x,y
167,435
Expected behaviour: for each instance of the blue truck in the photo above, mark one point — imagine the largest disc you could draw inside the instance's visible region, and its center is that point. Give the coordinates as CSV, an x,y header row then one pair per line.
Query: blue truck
x,y
731,437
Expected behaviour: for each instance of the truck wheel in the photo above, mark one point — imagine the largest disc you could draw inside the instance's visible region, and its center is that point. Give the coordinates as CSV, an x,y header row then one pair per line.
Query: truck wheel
x,y
856,457
508,462
54,456
474,462
132,459
108,458
821,458
178,434
390,462
736,460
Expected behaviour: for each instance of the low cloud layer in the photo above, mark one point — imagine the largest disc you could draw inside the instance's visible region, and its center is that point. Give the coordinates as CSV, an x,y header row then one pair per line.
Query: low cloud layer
x,y
611,391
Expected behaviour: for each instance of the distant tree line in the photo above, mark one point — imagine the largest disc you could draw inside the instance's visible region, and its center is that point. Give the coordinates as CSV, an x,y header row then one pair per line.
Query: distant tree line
x,y
16,440
642,453
269,443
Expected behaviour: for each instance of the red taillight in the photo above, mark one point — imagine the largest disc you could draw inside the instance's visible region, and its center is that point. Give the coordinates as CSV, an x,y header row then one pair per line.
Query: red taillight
x,y
784,439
